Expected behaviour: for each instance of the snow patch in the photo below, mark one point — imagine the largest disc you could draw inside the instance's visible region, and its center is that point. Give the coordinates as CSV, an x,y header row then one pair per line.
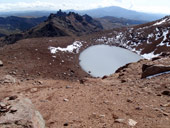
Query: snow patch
x,y
119,35
102,39
157,29
157,36
160,22
150,35
165,37
132,41
54,56
143,28
70,48
149,55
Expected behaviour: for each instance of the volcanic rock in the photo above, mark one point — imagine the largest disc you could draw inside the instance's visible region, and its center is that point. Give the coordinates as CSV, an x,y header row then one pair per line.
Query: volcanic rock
x,y
12,97
119,121
165,54
34,90
63,24
20,113
132,122
149,70
9,79
167,93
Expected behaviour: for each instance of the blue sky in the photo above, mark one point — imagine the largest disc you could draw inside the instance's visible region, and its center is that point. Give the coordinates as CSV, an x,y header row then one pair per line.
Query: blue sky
x,y
153,6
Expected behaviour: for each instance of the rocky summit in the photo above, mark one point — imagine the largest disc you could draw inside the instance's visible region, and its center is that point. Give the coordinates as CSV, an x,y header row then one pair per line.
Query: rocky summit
x,y
59,24
66,24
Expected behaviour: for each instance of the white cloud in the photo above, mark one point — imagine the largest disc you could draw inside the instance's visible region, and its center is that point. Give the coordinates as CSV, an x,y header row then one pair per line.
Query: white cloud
x,y
105,3
28,6
153,9
62,4
139,5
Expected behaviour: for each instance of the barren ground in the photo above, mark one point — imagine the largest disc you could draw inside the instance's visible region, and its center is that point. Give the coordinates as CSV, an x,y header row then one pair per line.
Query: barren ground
x,y
55,89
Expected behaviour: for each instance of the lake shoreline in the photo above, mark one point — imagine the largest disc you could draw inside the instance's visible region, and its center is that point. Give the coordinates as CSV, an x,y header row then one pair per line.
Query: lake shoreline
x,y
101,60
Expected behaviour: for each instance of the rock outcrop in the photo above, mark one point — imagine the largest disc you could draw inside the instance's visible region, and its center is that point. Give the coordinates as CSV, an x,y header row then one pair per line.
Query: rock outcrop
x,y
19,112
8,79
149,70
65,24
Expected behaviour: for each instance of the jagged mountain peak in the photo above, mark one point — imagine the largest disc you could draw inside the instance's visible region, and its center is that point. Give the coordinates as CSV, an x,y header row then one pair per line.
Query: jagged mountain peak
x,y
59,14
72,16
60,24
68,24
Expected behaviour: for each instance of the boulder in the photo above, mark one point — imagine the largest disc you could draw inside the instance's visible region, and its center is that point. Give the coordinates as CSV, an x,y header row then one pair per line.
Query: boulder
x,y
9,79
149,70
1,63
132,122
166,93
19,112
121,68
104,77
165,54
119,121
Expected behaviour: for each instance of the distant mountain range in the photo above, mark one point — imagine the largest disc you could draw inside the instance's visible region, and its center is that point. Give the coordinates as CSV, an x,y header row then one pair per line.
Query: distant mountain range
x,y
113,11
27,14
109,22
59,24
121,13
13,24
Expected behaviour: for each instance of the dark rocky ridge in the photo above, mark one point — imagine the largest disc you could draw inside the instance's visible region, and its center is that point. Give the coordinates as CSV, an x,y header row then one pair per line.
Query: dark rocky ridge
x,y
59,24
75,23
149,39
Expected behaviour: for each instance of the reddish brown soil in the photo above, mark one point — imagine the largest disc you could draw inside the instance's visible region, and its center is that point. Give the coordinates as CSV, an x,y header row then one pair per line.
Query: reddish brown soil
x,y
62,100
31,58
